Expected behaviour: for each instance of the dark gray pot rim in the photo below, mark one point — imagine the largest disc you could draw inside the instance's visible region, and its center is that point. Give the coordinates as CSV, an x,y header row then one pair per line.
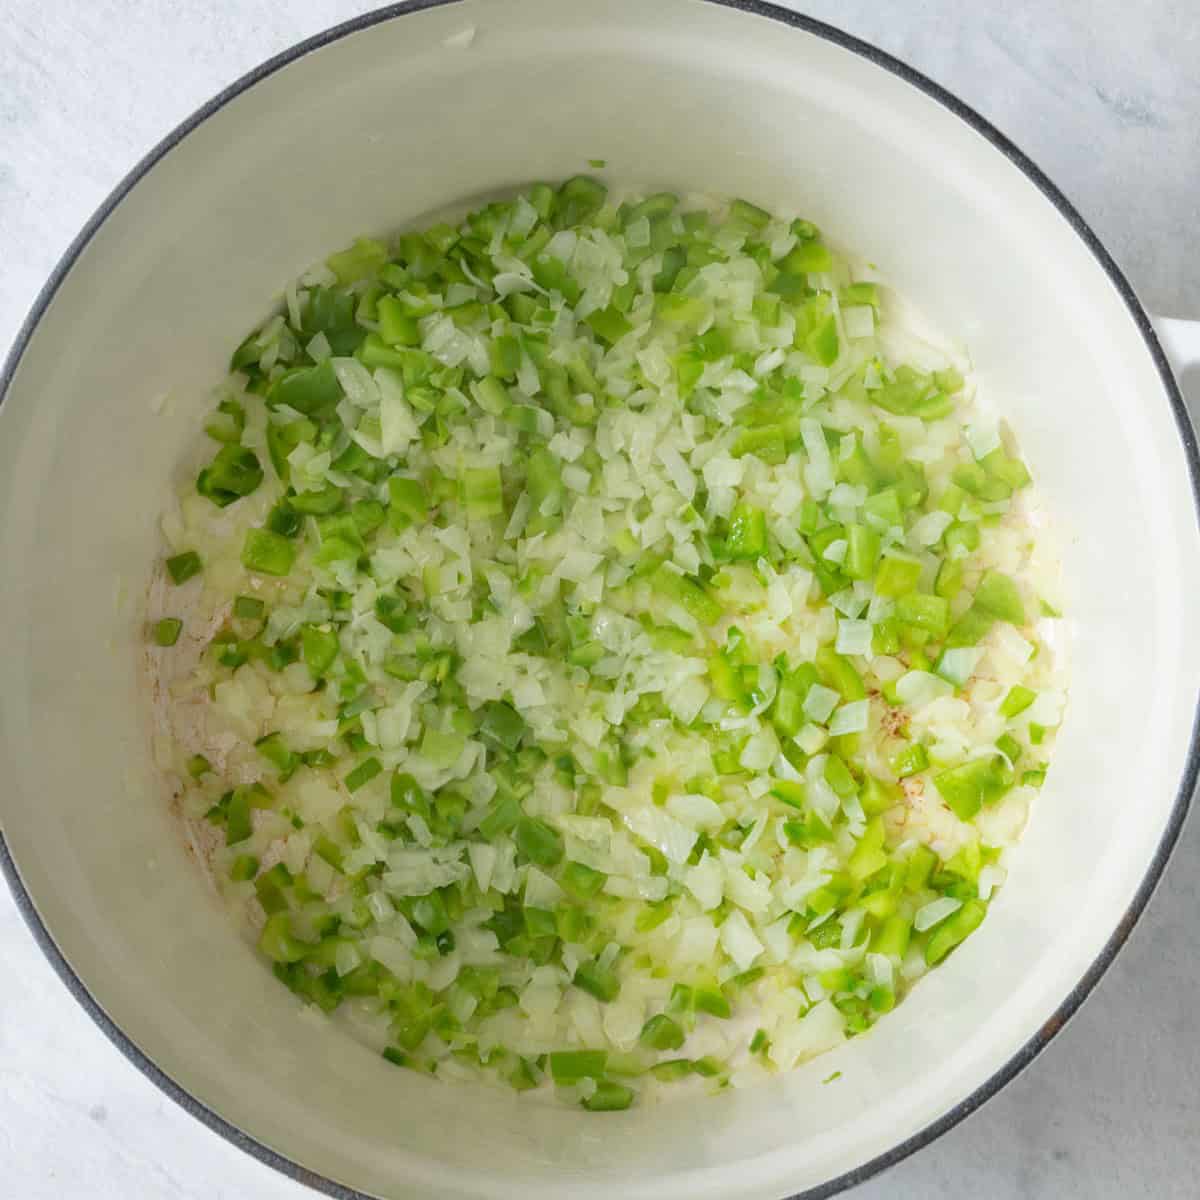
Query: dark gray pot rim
x,y
1023,1057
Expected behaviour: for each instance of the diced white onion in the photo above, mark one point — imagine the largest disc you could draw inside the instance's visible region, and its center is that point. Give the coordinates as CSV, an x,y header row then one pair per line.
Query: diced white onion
x,y
929,528
929,915
859,321
850,718
854,637
918,688
811,738
958,663
738,940
820,703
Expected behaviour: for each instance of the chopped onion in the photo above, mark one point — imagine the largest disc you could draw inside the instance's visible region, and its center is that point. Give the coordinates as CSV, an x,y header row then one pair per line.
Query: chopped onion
x,y
859,321
918,688
738,940
958,664
820,703
854,637
850,718
929,915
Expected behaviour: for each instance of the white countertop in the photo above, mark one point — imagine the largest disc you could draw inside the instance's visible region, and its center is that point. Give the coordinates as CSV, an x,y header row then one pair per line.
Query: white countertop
x,y
1105,96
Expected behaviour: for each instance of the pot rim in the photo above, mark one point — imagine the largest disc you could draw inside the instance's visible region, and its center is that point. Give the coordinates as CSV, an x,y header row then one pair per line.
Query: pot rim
x,y
760,8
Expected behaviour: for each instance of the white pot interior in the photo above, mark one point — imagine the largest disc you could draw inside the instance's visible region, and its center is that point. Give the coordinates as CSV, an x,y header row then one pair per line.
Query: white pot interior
x,y
366,134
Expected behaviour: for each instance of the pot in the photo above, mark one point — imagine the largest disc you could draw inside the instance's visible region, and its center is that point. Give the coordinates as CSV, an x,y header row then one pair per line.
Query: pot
x,y
401,113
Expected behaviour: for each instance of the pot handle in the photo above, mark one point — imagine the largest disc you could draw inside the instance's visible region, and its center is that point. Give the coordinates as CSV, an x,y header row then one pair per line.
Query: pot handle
x,y
1181,341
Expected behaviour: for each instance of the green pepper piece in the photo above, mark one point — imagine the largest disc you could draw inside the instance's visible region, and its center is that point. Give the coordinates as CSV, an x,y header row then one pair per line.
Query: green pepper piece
x,y
538,842
998,596
609,1097
267,553
954,930
309,390
234,472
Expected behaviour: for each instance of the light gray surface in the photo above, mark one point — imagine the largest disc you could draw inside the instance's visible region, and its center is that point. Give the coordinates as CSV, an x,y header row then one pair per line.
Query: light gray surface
x,y
1105,97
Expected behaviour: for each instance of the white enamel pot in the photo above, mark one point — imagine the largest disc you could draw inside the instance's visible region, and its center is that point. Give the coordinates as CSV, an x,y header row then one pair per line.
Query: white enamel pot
x,y
369,127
